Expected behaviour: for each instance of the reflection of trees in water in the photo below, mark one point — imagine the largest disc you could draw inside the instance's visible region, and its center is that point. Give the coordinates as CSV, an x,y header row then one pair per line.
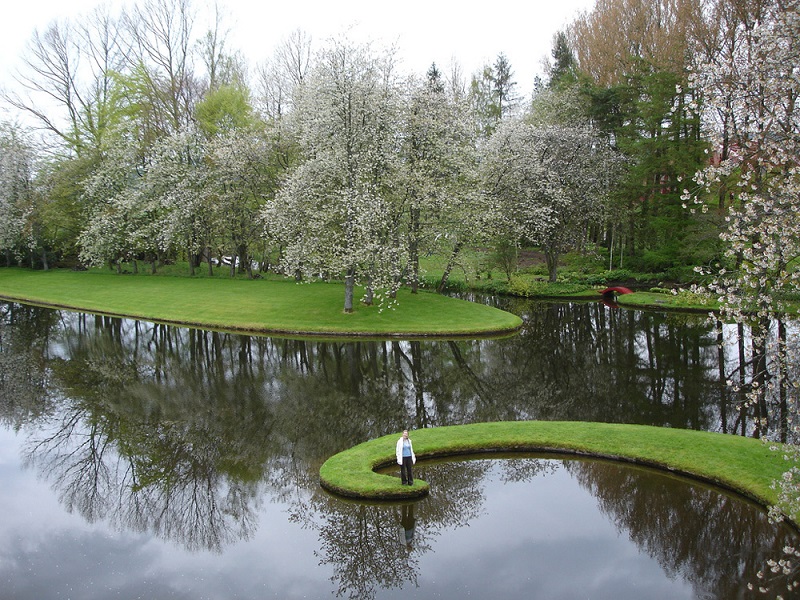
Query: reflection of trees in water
x,y
381,546
24,383
366,547
571,361
179,459
584,362
714,541
167,429
141,440
516,470
187,500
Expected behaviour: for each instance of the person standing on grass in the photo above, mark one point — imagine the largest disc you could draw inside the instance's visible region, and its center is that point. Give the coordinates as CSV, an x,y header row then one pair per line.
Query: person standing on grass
x,y
405,458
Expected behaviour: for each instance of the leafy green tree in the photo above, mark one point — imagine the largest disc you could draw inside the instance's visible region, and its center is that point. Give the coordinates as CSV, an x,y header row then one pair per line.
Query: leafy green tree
x,y
633,58
67,79
563,70
492,94
224,109
62,213
663,144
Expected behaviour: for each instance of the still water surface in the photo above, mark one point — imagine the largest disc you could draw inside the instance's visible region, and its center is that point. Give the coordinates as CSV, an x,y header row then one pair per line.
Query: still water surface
x,y
150,461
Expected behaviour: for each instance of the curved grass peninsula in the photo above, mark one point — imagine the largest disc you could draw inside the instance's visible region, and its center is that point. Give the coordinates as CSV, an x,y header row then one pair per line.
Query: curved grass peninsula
x,y
274,306
744,465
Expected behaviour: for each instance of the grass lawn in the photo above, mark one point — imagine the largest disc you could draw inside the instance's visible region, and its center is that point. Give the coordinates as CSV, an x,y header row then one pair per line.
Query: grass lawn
x,y
682,301
259,306
472,273
745,465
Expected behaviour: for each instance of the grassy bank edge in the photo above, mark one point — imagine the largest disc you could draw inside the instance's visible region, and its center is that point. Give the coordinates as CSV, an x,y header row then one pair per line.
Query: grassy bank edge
x,y
744,465
318,313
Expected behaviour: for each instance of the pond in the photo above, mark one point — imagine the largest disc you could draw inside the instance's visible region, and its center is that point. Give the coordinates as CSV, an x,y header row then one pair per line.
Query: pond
x,y
141,460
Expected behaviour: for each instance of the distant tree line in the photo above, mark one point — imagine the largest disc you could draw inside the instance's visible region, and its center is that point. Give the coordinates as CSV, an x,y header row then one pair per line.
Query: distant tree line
x,y
155,141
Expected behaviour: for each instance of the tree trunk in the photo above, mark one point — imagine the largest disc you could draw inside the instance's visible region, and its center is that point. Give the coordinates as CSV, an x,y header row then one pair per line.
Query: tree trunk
x,y
369,293
742,379
783,383
45,264
349,285
551,258
722,377
413,250
450,264
760,377
210,265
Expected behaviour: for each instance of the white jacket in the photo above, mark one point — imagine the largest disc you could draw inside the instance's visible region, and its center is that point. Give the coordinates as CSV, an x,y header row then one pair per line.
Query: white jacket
x,y
399,452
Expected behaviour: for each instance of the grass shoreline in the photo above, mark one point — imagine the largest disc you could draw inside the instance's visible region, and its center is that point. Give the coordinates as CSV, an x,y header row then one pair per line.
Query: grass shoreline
x,y
742,465
280,307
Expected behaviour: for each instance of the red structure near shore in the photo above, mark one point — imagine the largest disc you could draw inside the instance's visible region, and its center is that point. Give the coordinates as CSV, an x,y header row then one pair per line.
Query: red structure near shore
x,y
614,290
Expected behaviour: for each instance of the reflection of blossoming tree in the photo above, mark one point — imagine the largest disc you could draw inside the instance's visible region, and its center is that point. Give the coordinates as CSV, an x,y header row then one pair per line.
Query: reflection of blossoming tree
x,y
150,448
372,546
162,478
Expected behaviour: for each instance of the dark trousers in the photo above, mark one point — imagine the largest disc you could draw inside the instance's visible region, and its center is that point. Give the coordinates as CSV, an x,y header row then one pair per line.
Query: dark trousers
x,y
405,470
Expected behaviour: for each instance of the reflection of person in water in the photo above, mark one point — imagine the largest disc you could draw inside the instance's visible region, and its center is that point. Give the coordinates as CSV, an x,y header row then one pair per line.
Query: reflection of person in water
x,y
405,458
408,523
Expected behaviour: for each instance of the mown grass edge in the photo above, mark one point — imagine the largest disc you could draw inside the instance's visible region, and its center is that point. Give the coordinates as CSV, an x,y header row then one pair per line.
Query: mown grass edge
x,y
743,465
262,307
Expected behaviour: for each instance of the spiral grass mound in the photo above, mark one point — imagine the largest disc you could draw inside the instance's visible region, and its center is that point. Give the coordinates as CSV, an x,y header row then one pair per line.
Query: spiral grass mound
x,y
744,465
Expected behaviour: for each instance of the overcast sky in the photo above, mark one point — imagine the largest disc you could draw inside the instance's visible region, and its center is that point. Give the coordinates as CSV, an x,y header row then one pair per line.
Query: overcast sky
x,y
424,31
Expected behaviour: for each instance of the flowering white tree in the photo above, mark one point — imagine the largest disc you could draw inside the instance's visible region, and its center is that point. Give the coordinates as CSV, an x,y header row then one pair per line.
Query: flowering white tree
x,y
116,208
173,195
756,89
547,183
438,165
112,234
144,203
243,176
334,214
16,174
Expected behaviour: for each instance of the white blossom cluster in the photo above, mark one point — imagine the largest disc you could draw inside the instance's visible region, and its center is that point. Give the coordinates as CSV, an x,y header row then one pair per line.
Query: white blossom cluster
x,y
186,191
547,183
382,171
16,174
750,93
